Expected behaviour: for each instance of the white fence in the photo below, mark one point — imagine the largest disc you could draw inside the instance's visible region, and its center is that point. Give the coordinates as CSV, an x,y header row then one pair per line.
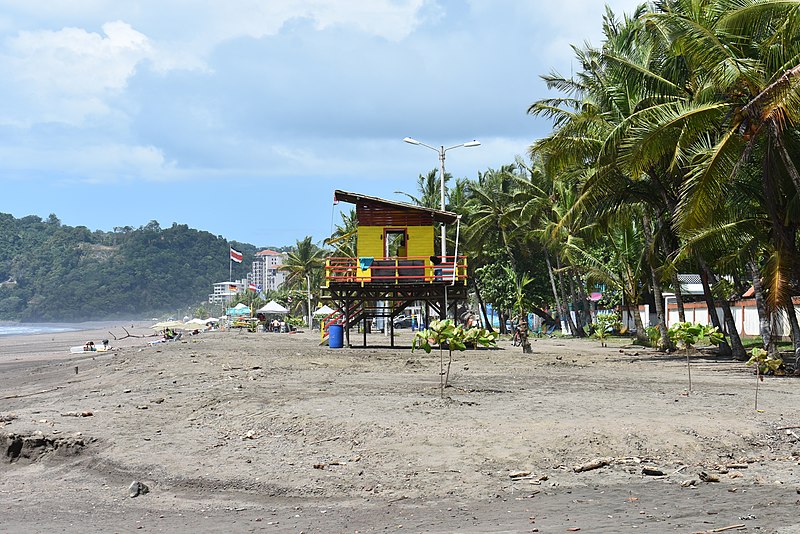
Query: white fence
x,y
745,316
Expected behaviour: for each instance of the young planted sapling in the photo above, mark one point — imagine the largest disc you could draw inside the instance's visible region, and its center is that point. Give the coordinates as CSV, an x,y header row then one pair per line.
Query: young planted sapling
x,y
687,335
604,326
764,363
455,337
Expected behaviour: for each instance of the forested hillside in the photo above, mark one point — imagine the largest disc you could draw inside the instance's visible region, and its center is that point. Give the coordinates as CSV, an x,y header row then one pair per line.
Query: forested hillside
x,y
53,272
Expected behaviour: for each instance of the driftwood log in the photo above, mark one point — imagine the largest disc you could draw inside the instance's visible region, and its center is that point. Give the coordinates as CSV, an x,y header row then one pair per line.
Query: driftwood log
x,y
597,463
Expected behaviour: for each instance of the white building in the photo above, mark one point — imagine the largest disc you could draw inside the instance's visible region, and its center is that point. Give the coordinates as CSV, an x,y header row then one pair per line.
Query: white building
x,y
266,272
225,291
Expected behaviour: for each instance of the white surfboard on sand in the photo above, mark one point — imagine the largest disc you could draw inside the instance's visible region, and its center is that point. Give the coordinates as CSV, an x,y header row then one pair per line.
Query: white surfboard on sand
x,y
80,349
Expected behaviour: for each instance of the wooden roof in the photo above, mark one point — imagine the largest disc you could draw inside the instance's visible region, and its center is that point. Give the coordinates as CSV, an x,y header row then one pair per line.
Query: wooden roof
x,y
446,217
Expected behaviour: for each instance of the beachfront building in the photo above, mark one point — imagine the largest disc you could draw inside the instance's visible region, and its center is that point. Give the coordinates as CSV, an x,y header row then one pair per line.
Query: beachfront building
x,y
266,270
225,291
396,266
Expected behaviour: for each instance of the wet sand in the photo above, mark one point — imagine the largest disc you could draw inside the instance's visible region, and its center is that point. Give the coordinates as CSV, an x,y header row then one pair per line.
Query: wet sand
x,y
238,432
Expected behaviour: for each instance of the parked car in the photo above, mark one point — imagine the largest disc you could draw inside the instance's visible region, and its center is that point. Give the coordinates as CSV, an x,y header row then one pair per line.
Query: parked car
x,y
402,321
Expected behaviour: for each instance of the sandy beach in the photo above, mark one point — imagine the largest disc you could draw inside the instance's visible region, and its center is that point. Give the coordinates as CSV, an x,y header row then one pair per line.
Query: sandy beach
x,y
239,432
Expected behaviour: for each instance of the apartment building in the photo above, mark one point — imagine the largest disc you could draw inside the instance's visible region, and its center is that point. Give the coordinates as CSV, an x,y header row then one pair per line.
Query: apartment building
x,y
266,272
225,291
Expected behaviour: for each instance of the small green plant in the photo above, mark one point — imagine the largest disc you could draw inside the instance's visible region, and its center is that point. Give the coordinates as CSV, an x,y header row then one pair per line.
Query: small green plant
x,y
653,335
604,326
445,332
688,334
763,363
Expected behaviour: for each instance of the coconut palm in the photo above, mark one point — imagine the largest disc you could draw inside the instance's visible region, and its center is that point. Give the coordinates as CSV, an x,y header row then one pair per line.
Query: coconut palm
x,y
304,269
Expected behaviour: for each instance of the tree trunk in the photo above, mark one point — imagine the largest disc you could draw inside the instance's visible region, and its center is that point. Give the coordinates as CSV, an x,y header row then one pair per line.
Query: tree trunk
x,y
577,305
679,297
641,334
660,311
655,282
586,312
724,347
569,321
481,304
791,315
764,320
737,348
553,283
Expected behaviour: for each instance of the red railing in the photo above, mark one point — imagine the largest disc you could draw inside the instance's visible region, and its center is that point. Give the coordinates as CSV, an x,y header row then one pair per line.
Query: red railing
x,y
397,270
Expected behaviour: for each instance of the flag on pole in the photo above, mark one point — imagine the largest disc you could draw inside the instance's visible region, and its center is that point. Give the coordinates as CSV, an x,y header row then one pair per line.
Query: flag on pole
x,y
252,287
236,256
233,287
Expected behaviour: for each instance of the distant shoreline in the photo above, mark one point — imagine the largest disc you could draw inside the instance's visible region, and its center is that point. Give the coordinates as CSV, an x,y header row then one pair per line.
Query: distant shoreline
x,y
55,344
11,328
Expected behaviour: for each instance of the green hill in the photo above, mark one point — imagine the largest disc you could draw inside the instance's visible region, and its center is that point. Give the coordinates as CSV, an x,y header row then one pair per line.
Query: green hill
x,y
53,272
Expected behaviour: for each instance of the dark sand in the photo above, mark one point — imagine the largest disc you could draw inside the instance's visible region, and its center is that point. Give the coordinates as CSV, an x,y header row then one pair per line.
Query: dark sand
x,y
240,432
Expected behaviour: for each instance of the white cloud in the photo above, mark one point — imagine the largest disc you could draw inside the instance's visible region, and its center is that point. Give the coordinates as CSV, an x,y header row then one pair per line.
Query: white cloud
x,y
91,163
66,75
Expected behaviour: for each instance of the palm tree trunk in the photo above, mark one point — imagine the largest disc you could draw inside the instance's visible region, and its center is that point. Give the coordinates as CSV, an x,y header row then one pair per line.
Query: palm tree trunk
x,y
660,311
553,283
655,282
737,347
583,298
791,315
764,322
641,334
630,290
679,297
481,304
570,322
724,347
577,306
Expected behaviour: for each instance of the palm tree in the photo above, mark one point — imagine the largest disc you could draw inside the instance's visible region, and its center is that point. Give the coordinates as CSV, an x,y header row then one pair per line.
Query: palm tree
x,y
429,188
304,265
344,237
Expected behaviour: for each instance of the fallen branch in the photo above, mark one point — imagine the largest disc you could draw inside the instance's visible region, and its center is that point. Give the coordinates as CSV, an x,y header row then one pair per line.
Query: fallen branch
x,y
723,529
19,396
324,440
127,335
594,464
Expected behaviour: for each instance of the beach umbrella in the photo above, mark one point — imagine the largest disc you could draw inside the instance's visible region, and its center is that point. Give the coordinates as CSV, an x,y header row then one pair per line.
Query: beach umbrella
x,y
166,324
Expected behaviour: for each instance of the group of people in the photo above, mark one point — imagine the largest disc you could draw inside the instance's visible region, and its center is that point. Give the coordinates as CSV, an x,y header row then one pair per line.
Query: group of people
x,y
90,346
278,326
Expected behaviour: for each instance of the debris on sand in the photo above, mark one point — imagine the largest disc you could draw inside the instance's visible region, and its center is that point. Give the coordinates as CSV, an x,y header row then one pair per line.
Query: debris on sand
x,y
137,488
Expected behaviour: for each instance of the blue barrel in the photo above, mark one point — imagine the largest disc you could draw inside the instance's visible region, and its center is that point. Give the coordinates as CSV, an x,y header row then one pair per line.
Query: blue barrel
x,y
336,336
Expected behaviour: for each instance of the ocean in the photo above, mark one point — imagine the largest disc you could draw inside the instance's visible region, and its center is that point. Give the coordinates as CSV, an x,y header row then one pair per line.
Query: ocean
x,y
26,329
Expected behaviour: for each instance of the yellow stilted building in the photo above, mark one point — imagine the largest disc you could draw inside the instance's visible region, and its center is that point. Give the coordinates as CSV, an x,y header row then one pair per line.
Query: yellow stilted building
x,y
396,265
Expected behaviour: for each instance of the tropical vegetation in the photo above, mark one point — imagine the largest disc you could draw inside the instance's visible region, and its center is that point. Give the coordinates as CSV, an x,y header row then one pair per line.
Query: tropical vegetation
x,y
674,149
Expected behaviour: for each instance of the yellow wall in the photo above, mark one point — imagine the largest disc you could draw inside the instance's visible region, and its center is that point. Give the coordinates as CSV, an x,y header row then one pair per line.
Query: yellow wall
x,y
369,243
419,243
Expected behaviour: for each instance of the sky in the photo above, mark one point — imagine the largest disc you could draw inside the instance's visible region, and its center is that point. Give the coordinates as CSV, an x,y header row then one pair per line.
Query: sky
x,y
242,117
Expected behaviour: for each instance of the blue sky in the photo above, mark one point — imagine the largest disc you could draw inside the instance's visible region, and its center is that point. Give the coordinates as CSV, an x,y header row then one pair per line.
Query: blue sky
x,y
242,117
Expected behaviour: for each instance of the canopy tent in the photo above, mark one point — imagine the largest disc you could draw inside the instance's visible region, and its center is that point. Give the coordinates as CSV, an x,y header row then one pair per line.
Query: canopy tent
x,y
239,310
324,311
272,307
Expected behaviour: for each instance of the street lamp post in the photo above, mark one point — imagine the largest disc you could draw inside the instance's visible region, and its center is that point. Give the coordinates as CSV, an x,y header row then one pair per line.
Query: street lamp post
x,y
441,151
